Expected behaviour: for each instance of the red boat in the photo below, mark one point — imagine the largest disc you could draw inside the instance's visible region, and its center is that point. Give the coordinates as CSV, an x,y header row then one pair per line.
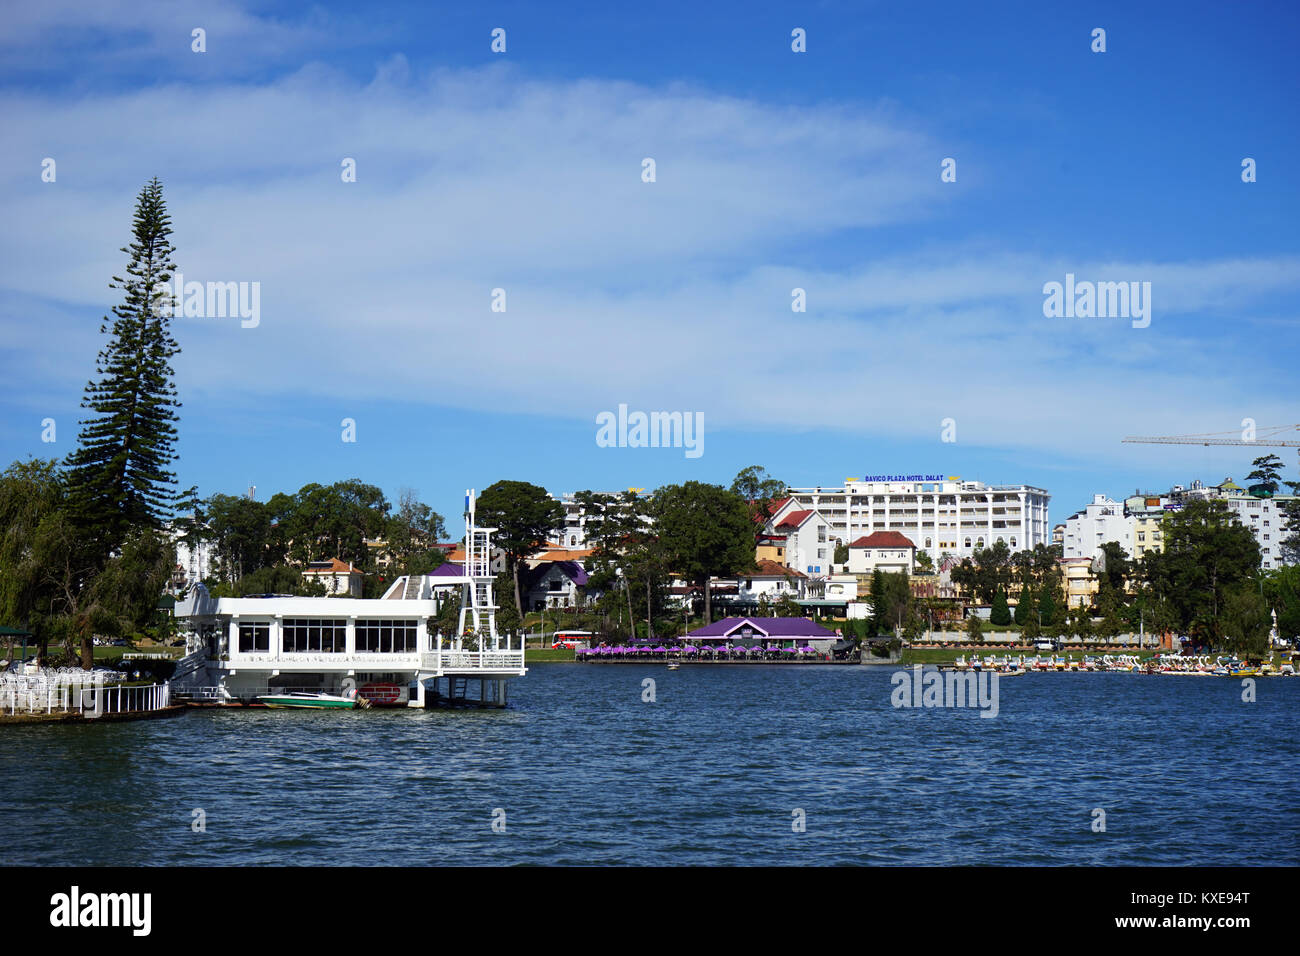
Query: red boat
x,y
378,693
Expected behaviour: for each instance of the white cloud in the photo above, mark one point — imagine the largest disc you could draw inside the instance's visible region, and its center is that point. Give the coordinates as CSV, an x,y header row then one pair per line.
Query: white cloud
x,y
667,295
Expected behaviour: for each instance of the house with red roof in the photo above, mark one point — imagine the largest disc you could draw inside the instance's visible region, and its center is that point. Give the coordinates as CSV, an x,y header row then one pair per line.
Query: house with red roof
x,y
798,537
337,577
886,551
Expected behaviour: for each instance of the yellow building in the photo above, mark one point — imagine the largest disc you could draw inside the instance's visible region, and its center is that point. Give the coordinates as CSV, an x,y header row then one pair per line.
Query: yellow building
x,y
1081,585
770,548
1148,535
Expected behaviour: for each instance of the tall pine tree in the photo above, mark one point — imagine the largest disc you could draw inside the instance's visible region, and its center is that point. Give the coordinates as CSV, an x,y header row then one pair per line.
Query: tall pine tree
x,y
118,475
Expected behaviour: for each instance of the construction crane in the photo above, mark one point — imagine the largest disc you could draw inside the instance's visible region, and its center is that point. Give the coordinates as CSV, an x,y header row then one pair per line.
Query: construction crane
x,y
1264,437
1212,438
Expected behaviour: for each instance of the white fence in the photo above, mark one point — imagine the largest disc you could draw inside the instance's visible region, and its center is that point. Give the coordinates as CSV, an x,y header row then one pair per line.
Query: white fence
x,y
76,692
472,660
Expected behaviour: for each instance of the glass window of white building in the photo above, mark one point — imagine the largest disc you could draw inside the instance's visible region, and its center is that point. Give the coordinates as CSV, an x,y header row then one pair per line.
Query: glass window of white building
x,y
387,637
303,635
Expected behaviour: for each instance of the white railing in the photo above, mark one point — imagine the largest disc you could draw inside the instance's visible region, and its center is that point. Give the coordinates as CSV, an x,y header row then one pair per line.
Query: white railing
x,y
126,700
450,659
205,693
65,694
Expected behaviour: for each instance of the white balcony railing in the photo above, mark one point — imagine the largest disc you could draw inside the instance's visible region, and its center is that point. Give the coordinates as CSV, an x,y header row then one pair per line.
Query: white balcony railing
x,y
448,659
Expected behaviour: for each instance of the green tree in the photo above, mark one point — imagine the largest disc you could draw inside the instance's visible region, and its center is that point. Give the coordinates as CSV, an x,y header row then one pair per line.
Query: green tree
x,y
524,515
1080,622
35,534
1047,605
119,478
1000,614
975,629
1026,611
1208,553
509,618
1289,533
989,571
1245,621
1113,567
1282,589
271,579
705,530
758,490
1267,472
412,534
240,530
891,601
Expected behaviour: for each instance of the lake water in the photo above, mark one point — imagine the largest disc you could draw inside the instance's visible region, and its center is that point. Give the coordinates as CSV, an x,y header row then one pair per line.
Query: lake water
x,y
714,771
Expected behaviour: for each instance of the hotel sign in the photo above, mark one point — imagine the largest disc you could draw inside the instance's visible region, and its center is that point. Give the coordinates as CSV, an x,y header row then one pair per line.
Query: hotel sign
x,y
903,478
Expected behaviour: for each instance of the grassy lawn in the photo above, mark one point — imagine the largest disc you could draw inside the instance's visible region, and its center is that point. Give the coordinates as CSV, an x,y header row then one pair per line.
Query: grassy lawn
x,y
546,654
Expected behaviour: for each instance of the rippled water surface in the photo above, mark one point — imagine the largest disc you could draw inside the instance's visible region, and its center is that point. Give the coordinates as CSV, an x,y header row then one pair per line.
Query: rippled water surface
x,y
709,773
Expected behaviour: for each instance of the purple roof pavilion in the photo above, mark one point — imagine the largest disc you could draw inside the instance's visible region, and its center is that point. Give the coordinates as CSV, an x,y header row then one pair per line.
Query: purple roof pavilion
x,y
774,628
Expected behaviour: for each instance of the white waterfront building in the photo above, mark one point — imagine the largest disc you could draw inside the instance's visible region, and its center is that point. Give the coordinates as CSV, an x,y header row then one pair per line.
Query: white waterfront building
x,y
241,648
1135,523
1104,519
937,515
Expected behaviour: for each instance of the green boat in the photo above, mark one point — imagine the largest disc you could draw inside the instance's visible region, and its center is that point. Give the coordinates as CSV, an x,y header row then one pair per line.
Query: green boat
x,y
306,701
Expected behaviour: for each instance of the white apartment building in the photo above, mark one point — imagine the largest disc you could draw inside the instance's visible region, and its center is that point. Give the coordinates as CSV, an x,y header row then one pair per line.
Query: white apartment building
x,y
1136,523
1263,516
936,514
886,551
574,532
809,542
193,564
1101,521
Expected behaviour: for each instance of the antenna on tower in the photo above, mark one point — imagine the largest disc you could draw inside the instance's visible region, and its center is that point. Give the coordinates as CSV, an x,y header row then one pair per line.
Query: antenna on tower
x,y
252,492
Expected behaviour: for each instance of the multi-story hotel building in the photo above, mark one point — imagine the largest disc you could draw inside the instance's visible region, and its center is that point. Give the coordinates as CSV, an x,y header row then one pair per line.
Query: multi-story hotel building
x,y
1265,516
937,515
1137,523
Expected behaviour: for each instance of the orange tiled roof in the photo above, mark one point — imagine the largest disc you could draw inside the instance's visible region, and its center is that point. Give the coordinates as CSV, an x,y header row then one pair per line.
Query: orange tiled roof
x,y
768,568
884,539
564,554
332,566
794,519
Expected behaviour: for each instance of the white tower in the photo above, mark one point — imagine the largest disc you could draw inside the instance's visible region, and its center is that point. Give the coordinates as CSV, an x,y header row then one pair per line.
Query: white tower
x,y
477,610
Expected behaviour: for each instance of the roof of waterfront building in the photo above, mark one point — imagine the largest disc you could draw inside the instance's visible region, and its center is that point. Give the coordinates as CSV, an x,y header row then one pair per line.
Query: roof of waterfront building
x,y
570,569
448,569
795,518
777,627
560,553
884,539
768,510
768,568
332,566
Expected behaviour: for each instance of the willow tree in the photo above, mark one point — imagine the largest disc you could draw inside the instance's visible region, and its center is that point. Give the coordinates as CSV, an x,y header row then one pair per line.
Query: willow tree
x,y
118,476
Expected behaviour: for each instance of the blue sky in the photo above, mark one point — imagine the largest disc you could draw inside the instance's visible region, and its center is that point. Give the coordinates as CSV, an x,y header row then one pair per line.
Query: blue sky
x,y
774,170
